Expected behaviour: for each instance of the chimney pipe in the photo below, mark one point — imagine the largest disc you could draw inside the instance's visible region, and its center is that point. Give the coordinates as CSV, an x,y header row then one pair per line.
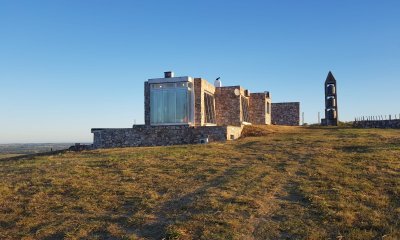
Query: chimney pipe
x,y
168,74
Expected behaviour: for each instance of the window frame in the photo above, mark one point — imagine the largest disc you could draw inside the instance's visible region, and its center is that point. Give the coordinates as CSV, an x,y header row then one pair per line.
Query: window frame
x,y
245,105
209,109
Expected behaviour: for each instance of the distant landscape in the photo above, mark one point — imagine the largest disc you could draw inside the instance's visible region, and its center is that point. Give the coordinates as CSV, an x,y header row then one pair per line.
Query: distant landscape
x,y
17,149
273,183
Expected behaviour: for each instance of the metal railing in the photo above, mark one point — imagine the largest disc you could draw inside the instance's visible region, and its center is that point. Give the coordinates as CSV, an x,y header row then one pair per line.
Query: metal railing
x,y
378,118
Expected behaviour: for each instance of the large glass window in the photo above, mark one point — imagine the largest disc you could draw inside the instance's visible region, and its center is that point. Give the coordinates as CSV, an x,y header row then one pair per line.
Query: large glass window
x,y
171,103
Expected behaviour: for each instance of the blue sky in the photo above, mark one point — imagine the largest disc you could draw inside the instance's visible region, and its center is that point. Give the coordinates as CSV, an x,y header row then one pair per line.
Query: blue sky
x,y
68,66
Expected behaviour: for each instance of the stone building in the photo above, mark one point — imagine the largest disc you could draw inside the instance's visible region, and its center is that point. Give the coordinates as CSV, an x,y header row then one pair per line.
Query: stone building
x,y
184,110
196,102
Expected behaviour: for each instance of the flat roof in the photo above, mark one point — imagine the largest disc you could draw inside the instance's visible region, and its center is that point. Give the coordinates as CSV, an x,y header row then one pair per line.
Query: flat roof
x,y
171,80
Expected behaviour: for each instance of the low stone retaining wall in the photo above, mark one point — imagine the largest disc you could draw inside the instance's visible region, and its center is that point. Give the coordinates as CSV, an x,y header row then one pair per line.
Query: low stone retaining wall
x,y
145,135
377,124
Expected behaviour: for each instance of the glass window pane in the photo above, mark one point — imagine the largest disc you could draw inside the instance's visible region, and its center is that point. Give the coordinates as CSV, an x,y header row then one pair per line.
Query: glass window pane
x,y
170,105
159,106
189,107
181,106
153,107
169,85
182,85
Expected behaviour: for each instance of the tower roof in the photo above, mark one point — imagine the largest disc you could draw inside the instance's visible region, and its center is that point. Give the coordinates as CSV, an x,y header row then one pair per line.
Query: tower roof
x,y
330,78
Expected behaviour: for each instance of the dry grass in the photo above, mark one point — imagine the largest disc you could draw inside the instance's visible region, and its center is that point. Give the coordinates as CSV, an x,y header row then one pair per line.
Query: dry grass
x,y
8,155
288,183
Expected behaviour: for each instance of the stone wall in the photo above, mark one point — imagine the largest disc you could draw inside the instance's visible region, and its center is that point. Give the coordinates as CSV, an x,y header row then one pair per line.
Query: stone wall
x,y
377,124
260,111
146,103
145,135
285,113
228,106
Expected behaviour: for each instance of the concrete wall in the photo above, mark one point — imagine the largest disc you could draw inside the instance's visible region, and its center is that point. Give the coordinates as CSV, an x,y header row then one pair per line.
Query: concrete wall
x,y
145,135
201,86
377,124
285,113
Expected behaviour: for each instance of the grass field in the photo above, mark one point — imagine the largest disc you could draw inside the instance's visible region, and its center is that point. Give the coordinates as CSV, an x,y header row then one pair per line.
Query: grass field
x,y
276,183
18,149
8,155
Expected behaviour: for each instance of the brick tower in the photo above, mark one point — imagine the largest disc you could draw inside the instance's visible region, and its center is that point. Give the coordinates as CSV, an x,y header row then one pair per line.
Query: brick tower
x,y
331,108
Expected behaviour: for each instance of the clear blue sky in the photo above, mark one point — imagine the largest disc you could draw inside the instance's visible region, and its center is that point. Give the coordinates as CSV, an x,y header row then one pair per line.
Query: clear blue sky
x,y
68,66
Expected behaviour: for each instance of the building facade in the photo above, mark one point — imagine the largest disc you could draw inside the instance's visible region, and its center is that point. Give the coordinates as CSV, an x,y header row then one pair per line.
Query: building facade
x,y
185,110
196,102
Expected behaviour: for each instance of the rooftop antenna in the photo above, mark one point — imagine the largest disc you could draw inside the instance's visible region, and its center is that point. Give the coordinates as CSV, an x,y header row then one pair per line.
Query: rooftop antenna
x,y
217,82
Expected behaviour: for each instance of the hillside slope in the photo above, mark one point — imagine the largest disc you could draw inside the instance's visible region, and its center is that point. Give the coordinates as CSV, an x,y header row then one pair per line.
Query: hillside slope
x,y
286,182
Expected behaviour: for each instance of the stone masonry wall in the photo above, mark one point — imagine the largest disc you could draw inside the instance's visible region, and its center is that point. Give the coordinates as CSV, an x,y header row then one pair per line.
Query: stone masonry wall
x,y
227,104
395,123
258,108
285,113
146,103
145,135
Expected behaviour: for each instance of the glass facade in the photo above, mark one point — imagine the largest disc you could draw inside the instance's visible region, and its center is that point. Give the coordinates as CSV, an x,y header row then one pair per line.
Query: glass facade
x,y
171,103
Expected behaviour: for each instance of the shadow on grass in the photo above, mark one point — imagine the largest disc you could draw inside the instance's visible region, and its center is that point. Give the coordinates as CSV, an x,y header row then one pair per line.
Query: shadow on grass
x,y
294,195
182,209
355,149
247,145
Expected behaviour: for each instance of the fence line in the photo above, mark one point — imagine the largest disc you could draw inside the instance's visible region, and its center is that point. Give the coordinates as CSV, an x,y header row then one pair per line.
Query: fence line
x,y
380,121
378,118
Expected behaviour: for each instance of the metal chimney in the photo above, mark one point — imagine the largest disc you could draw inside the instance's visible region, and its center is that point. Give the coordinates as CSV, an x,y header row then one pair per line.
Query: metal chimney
x,y
168,74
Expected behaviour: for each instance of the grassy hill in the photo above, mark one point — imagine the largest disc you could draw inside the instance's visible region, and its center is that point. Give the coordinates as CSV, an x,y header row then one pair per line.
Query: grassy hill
x,y
17,149
276,183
